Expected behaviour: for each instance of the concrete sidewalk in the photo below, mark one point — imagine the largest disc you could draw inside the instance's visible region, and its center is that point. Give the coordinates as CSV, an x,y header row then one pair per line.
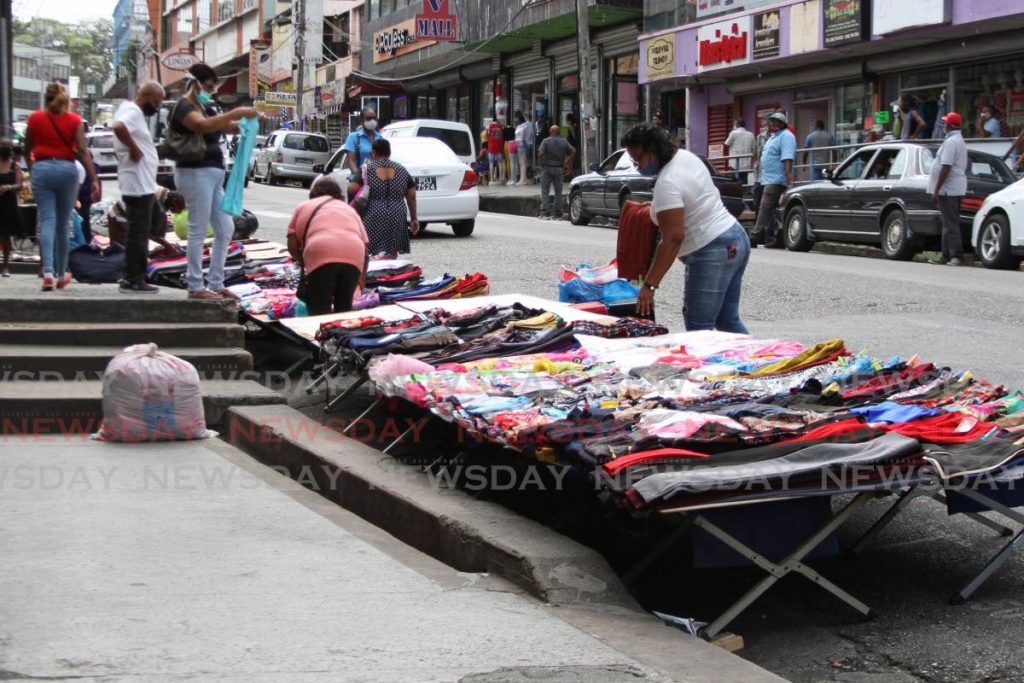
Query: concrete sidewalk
x,y
166,561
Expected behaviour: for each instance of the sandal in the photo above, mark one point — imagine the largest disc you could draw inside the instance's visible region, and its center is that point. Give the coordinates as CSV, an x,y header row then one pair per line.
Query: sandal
x,y
203,294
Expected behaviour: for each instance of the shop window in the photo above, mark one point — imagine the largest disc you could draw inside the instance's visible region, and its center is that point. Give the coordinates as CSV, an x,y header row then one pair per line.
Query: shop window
x,y
855,165
1000,86
628,65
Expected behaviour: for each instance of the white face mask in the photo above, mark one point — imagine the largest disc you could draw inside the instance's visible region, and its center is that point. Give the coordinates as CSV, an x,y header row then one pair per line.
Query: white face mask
x,y
370,125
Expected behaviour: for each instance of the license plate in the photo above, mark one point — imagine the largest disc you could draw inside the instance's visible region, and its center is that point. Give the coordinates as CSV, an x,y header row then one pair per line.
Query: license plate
x,y
426,184
300,160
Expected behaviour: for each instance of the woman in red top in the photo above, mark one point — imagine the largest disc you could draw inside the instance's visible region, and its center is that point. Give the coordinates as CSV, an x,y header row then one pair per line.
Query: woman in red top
x,y
55,137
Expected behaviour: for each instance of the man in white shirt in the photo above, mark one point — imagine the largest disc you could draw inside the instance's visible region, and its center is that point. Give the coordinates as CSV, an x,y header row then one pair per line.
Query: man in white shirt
x,y
948,185
137,161
740,148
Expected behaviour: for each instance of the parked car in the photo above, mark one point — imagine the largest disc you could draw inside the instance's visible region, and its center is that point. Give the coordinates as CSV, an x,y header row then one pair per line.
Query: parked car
x,y
291,155
101,147
446,188
456,135
261,142
879,195
604,190
998,230
165,169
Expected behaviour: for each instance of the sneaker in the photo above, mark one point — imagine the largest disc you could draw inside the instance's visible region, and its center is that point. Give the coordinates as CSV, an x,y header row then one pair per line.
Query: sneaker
x,y
48,283
63,282
955,262
938,261
203,294
126,287
6,273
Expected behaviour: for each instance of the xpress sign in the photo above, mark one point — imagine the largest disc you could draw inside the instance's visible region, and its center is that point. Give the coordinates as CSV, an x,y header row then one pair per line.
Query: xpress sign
x,y
724,43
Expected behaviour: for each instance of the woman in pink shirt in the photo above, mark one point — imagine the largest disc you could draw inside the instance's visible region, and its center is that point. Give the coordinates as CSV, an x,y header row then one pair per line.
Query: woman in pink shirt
x,y
327,237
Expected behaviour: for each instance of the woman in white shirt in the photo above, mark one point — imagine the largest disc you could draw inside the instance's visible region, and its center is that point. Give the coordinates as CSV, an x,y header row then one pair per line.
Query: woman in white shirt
x,y
696,228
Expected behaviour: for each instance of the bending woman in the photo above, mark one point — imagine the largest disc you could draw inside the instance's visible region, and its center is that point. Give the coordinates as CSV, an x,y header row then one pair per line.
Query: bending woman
x,y
696,228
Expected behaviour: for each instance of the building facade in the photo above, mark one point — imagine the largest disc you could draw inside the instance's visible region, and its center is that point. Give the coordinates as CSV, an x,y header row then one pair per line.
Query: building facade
x,y
132,46
845,62
32,69
507,58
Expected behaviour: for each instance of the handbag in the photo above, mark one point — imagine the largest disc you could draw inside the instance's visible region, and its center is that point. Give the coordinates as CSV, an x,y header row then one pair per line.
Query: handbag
x,y
302,288
186,147
362,197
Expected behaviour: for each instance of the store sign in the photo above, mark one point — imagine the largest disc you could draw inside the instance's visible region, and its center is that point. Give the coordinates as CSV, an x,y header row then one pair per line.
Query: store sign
x,y
436,22
661,58
396,41
888,16
181,61
707,8
724,43
844,21
279,99
766,35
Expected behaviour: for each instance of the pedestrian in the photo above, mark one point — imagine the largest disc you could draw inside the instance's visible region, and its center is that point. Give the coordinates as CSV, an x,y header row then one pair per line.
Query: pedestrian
x,y
524,146
776,166
947,184
327,237
54,138
819,161
359,143
572,136
391,196
740,148
496,151
696,228
988,124
555,156
912,126
657,120
137,161
11,183
508,136
201,182
164,201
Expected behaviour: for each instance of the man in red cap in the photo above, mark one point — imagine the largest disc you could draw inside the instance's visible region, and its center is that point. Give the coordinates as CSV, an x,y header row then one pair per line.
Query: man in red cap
x,y
948,185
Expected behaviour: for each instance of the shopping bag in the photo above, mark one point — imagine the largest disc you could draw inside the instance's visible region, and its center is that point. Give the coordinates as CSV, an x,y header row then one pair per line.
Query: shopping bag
x,y
232,201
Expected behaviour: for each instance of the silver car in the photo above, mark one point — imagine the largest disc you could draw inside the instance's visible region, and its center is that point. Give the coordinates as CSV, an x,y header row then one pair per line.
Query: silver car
x,y
291,155
101,147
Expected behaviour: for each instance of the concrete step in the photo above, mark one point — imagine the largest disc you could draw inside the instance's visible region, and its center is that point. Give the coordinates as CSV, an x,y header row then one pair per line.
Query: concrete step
x,y
223,335
49,363
28,407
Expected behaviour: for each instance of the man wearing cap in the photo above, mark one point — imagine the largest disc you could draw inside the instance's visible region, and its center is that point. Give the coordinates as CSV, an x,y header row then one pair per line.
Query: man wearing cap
x,y
776,174
948,184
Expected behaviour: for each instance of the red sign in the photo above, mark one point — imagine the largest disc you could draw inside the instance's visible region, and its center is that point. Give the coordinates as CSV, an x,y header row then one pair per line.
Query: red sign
x,y
728,47
326,97
436,22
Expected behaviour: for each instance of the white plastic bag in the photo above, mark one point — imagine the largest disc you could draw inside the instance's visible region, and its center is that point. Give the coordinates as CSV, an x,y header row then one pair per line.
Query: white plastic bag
x,y
149,395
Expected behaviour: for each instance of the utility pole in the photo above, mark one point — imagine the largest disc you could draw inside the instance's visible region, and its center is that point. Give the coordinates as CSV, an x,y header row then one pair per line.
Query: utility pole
x,y
300,58
588,110
6,77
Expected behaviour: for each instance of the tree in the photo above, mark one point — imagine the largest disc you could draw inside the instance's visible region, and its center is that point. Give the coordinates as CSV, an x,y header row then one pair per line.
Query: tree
x,y
87,42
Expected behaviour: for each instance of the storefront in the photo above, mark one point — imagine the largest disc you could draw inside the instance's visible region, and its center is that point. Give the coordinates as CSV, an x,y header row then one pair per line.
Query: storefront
x,y
843,62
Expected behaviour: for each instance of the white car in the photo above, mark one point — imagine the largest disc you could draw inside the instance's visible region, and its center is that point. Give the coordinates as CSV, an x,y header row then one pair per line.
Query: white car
x,y
456,135
101,147
998,234
446,188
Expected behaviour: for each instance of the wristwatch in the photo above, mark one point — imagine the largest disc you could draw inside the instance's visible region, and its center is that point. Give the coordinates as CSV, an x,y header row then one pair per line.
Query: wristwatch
x,y
652,287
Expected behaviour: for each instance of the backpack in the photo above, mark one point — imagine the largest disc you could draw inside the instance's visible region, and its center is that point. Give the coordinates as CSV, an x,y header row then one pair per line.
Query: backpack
x,y
95,265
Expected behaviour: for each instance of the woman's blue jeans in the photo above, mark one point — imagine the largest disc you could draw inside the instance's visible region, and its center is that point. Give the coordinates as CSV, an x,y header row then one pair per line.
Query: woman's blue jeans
x,y
55,187
714,278
203,190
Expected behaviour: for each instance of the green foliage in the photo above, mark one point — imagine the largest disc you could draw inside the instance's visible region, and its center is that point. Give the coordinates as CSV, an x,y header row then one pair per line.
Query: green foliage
x,y
87,42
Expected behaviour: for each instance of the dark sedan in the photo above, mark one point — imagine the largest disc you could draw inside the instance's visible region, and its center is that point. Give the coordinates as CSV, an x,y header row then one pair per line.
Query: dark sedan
x,y
879,195
603,191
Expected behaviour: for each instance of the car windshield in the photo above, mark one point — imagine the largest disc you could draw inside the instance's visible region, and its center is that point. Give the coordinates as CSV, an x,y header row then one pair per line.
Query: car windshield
x,y
306,143
611,162
457,140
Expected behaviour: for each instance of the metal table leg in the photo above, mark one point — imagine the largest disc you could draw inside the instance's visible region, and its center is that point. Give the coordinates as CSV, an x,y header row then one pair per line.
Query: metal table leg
x,y
1000,557
638,569
353,388
361,415
903,499
401,436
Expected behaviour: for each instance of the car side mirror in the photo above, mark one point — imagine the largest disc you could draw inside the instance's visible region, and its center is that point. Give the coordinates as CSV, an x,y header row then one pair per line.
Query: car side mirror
x,y
259,145
827,174
594,167
318,168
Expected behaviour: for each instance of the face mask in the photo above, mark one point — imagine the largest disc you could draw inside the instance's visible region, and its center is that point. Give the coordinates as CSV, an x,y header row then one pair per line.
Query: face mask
x,y
370,125
204,98
649,169
148,109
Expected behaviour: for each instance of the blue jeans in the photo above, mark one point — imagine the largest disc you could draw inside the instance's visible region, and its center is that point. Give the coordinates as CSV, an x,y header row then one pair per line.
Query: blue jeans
x,y
714,278
55,186
202,189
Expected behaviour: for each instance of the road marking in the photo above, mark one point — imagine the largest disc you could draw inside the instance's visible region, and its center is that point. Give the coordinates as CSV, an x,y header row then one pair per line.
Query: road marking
x,y
271,214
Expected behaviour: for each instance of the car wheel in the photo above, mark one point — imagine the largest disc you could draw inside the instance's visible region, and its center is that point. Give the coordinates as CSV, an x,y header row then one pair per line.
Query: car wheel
x,y
577,216
994,243
463,228
897,244
271,178
795,234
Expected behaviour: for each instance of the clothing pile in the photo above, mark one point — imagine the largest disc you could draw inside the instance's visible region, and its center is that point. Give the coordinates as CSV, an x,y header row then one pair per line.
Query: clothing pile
x,y
169,271
661,419
400,280
587,283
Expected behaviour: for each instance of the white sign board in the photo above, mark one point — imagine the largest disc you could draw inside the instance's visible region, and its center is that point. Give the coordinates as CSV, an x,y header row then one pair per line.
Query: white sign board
x,y
280,99
888,16
724,43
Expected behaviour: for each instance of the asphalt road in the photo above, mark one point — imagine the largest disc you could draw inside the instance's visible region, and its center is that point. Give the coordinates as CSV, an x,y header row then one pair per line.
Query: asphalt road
x,y
964,318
